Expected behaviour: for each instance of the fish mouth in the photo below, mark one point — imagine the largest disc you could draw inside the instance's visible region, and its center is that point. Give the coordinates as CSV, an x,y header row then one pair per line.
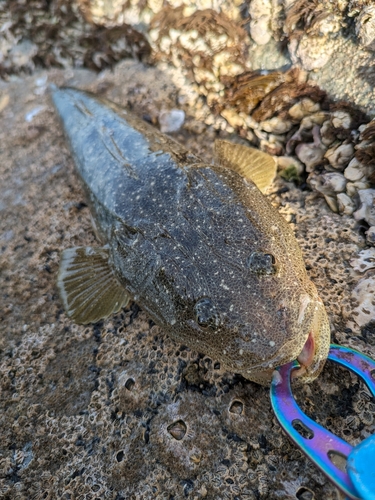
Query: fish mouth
x,y
315,350
304,372
306,357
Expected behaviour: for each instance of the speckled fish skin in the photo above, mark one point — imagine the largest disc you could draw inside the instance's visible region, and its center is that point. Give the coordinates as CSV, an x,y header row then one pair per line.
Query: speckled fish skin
x,y
182,235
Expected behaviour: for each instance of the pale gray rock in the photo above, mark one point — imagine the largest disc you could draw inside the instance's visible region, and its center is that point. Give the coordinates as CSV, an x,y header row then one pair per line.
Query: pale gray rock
x,y
328,183
345,204
172,120
276,125
311,52
341,119
363,295
310,154
366,210
354,171
364,261
340,156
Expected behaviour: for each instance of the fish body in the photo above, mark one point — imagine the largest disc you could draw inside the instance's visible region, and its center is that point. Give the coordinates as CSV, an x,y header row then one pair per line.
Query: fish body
x,y
197,246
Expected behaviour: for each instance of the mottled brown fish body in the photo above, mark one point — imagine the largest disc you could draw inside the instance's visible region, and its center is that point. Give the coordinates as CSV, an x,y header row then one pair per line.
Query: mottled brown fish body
x,y
198,246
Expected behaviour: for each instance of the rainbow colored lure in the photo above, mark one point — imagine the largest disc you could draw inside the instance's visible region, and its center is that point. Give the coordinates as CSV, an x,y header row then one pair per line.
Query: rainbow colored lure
x,y
351,469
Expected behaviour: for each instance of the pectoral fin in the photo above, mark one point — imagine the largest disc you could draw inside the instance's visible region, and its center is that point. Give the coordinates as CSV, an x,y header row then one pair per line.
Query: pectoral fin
x,y
255,165
88,288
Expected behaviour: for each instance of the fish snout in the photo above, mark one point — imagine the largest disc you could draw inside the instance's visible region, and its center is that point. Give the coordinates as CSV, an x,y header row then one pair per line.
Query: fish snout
x,y
315,350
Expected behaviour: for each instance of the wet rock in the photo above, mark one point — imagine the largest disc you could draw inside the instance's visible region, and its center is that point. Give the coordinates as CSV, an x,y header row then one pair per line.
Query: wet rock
x,y
176,435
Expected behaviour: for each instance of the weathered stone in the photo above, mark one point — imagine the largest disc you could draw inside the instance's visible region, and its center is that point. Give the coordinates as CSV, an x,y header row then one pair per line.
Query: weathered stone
x,y
340,156
367,209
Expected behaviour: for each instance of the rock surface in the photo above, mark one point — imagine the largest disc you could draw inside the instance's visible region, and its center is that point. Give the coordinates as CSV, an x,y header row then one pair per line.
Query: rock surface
x,y
117,409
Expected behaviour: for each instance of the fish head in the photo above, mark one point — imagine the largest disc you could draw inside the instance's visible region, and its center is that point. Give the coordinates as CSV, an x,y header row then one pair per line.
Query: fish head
x,y
247,300
254,331
227,279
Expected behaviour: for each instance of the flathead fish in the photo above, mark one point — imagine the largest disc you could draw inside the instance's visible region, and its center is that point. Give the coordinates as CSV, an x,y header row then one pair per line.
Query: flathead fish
x,y
197,246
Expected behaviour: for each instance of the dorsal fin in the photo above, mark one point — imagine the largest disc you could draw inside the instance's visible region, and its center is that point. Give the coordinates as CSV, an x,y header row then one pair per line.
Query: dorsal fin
x,y
255,165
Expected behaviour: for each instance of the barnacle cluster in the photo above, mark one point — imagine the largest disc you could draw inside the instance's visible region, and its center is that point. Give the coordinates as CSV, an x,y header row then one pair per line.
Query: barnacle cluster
x,y
294,120
57,34
208,44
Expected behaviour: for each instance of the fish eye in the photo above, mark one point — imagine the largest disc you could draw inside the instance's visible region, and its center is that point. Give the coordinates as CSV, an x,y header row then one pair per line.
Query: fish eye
x,y
262,263
206,314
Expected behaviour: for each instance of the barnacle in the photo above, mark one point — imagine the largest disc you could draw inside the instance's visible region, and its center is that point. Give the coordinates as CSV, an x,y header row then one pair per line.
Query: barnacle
x,y
199,38
57,35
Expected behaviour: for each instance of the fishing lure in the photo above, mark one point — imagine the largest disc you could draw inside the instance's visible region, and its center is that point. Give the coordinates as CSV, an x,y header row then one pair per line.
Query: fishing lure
x,y
351,469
